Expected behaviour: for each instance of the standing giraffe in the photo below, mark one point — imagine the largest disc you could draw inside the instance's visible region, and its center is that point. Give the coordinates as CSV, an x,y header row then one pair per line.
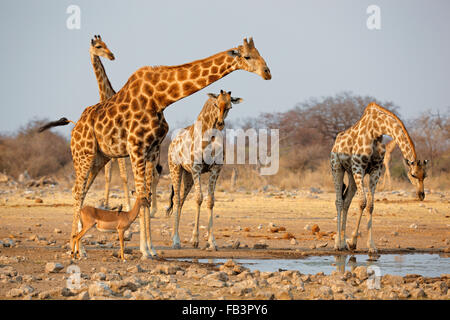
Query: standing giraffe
x,y
421,171
131,122
359,151
98,48
182,166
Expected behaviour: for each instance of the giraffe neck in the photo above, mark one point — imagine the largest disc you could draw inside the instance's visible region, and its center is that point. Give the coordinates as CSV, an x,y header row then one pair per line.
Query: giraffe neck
x,y
385,122
177,82
104,86
208,115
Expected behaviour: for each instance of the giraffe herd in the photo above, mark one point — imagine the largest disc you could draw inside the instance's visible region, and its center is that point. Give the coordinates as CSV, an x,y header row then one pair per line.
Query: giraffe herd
x,y
130,123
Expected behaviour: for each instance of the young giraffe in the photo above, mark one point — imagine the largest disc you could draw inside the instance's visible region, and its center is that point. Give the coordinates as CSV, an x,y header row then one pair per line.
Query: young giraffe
x,y
359,151
417,181
183,151
132,121
98,48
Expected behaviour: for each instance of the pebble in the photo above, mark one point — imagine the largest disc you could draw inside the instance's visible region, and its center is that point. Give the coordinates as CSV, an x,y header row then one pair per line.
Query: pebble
x,y
53,267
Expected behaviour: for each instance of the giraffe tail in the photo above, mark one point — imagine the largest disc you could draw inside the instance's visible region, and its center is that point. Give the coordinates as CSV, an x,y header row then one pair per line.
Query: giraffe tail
x,y
57,123
344,190
170,207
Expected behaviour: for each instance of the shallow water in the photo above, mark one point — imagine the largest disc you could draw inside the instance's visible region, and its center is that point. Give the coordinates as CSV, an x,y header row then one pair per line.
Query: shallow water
x,y
428,265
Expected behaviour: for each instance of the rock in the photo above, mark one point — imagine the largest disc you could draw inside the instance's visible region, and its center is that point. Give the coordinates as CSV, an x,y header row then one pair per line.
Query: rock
x,y
393,280
57,230
322,245
100,289
315,228
98,276
19,292
83,296
167,269
307,227
38,200
325,292
413,226
361,272
418,293
53,267
135,269
66,292
264,295
293,242
236,244
284,295
127,235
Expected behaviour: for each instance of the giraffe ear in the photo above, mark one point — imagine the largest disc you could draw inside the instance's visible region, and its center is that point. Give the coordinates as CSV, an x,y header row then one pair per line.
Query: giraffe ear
x,y
236,100
213,95
408,163
234,53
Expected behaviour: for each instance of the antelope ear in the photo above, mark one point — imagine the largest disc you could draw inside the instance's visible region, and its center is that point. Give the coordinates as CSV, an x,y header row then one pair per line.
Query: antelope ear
x,y
425,162
234,53
236,100
212,95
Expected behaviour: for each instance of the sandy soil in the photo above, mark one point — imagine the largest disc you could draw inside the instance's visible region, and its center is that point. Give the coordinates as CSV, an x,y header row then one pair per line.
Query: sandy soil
x,y
39,232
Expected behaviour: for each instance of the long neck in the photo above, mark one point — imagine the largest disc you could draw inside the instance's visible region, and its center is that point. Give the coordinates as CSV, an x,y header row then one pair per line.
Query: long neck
x,y
175,83
208,115
104,86
385,122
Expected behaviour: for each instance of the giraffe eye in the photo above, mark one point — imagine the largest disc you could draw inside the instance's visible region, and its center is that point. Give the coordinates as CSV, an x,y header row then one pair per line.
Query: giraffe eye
x,y
247,57
414,176
98,47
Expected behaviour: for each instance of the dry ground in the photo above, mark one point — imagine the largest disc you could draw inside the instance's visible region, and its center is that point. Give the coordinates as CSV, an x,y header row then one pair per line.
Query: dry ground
x,y
400,224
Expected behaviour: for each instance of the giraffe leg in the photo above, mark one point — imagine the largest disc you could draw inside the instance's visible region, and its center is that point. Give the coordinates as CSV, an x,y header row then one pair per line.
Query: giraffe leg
x,y
175,174
151,182
107,183
138,165
199,199
123,175
358,175
348,197
215,171
374,177
338,179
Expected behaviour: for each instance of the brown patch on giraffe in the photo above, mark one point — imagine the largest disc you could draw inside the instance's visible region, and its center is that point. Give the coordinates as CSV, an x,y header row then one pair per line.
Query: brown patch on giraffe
x,y
174,90
162,86
164,76
189,88
201,82
127,115
138,115
213,78
134,105
182,74
155,76
219,60
205,72
143,100
112,111
147,89
207,64
214,69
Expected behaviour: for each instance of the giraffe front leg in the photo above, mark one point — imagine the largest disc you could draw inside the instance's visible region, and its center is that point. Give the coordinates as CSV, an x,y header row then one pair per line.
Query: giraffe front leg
x,y
358,176
338,178
123,175
374,177
107,184
199,200
211,188
349,193
138,164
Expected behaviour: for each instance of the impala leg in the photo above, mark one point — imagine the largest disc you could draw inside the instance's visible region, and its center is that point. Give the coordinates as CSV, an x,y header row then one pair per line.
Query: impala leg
x,y
211,188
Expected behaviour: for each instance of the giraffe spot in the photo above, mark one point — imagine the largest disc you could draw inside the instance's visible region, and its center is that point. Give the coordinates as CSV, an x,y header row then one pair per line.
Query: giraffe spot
x,y
219,60
127,98
171,77
77,136
135,88
155,123
147,89
143,100
108,127
123,134
89,144
213,78
120,96
140,73
207,64
195,73
99,126
127,115
164,76
112,111
205,72
182,74
223,69
145,119
201,82
155,76
134,105
189,88
134,126
214,69
114,131
162,86
174,90
140,132
138,115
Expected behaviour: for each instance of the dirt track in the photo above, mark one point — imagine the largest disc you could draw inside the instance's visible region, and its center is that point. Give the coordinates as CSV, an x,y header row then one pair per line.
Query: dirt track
x,y
401,224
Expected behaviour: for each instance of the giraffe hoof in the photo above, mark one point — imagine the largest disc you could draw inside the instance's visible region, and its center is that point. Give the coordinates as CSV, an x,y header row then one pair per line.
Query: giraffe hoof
x,y
176,246
195,244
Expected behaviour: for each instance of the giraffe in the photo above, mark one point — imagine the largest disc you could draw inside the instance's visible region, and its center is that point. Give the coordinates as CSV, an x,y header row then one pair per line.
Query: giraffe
x,y
99,49
131,122
182,166
358,151
420,174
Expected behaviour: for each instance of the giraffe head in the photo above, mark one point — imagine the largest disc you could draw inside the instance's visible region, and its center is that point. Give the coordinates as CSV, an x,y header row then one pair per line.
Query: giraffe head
x,y
250,60
222,105
417,172
99,48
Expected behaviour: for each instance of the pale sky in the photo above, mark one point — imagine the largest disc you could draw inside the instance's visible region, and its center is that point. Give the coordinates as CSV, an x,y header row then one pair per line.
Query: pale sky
x,y
314,48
